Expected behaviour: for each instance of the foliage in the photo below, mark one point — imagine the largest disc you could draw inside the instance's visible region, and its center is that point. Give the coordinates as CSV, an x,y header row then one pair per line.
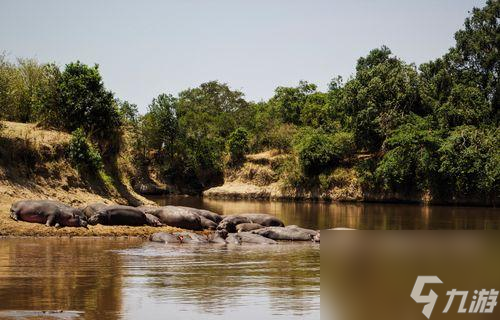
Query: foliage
x,y
237,145
129,113
85,103
376,101
160,123
470,160
290,101
27,89
83,154
317,150
411,161
402,128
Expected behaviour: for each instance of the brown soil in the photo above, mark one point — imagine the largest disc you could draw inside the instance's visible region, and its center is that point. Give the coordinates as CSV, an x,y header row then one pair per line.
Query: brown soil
x,y
33,165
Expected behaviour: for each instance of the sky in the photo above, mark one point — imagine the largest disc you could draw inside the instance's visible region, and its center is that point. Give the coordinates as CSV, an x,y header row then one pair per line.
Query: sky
x,y
145,48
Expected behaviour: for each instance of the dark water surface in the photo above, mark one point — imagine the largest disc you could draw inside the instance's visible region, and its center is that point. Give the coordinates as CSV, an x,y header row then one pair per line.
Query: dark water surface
x,y
371,216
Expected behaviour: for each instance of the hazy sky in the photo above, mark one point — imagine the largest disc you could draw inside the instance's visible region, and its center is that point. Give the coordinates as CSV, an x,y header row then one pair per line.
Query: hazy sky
x,y
149,47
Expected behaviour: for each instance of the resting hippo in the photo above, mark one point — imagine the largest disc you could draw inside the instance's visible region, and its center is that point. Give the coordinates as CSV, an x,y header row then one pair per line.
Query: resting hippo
x,y
230,222
207,223
149,209
292,233
244,227
205,213
178,217
93,208
216,237
191,237
263,219
165,237
119,215
51,213
153,221
247,237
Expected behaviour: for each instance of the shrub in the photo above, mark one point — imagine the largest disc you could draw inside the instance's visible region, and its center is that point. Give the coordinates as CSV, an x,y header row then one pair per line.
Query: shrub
x,y
83,154
470,160
237,144
411,159
317,151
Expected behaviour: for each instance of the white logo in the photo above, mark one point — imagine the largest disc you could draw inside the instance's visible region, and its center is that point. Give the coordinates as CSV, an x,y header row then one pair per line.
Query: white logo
x,y
483,301
430,299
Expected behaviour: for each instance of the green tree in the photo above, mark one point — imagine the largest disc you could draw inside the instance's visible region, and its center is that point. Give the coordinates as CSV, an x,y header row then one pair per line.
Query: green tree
x,y
128,111
27,89
318,151
85,103
160,123
237,145
411,162
476,56
290,101
465,106
376,101
470,160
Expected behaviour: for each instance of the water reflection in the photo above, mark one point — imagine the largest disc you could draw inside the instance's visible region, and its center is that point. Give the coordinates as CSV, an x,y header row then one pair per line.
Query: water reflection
x,y
374,216
132,279
61,274
249,282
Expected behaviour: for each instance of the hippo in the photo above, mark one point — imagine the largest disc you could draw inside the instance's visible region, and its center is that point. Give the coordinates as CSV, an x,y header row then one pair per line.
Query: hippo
x,y
119,215
263,219
93,208
205,213
165,237
244,227
149,209
50,213
153,220
207,223
216,237
222,233
191,237
230,222
178,217
248,238
292,233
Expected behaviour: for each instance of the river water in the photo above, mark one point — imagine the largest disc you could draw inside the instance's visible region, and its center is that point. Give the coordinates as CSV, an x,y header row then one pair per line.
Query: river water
x,y
369,216
103,278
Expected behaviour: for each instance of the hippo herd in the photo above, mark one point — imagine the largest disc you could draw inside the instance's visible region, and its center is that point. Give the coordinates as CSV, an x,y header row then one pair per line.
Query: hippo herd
x,y
251,228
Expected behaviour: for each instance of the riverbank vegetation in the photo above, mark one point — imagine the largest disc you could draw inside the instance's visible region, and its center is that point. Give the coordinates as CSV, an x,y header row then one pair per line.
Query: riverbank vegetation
x,y
393,130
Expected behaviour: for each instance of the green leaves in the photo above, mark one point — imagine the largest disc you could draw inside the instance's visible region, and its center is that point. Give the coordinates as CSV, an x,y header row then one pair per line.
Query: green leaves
x,y
237,145
318,151
83,154
85,103
470,160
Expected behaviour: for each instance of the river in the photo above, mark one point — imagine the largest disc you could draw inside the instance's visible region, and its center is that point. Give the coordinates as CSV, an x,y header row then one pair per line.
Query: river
x,y
120,278
365,216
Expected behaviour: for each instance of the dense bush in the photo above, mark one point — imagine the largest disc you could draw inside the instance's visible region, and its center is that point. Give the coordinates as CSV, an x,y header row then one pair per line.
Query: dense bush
x,y
83,154
317,150
411,161
237,145
27,89
470,160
